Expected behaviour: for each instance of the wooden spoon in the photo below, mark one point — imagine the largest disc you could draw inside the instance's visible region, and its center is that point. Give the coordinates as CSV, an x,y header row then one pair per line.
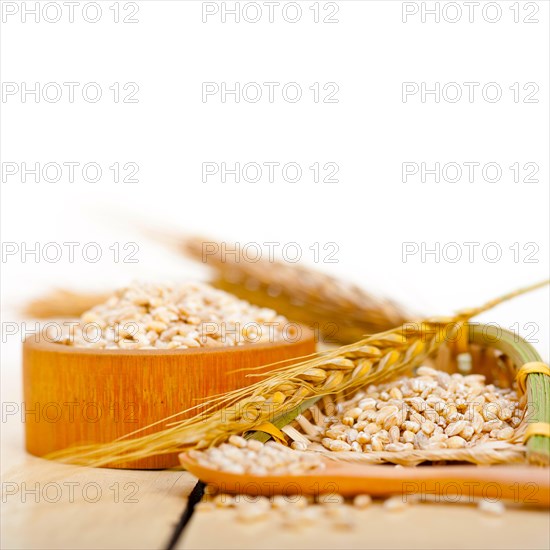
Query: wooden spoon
x,y
519,484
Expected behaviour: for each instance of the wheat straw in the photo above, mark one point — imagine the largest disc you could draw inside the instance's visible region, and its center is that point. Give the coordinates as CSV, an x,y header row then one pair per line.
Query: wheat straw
x,y
340,311
60,303
286,389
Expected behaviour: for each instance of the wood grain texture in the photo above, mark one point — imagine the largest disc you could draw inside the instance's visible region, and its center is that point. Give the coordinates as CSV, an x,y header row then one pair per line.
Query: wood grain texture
x,y
525,484
107,524
78,395
47,505
52,506
442,526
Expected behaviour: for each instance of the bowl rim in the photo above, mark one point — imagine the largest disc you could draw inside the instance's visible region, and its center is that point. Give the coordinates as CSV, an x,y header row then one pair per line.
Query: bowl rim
x,y
33,342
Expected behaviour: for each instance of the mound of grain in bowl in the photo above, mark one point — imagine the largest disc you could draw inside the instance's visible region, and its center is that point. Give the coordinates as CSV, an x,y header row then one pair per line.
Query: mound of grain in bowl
x,y
432,410
190,315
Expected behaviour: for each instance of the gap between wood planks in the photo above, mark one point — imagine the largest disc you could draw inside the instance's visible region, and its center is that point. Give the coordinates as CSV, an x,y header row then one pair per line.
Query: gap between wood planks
x,y
194,498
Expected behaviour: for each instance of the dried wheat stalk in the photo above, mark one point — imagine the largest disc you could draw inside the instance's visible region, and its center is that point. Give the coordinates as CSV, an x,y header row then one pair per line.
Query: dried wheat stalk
x,y
65,304
287,391
343,312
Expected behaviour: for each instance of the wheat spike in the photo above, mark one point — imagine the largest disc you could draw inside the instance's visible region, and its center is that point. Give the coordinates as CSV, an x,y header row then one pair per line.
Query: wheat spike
x,y
61,303
343,312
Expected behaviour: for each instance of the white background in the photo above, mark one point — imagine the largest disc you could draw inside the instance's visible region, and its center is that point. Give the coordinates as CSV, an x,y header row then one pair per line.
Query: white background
x,y
369,133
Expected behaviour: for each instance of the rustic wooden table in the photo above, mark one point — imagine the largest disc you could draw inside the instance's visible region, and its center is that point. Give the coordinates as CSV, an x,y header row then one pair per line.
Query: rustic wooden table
x,y
48,505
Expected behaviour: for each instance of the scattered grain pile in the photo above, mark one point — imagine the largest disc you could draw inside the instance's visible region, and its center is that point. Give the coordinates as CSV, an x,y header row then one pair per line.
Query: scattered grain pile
x,y
190,315
240,456
298,512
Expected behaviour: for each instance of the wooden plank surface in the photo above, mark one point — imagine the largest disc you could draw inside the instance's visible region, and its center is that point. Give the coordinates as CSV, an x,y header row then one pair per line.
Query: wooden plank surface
x,y
422,526
48,505
51,506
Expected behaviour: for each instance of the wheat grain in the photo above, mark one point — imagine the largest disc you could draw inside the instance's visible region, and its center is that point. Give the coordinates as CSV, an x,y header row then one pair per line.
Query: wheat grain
x,y
491,508
395,504
362,501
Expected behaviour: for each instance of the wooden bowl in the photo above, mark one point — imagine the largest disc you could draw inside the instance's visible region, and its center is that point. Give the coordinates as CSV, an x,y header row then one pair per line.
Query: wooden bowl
x,y
80,395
